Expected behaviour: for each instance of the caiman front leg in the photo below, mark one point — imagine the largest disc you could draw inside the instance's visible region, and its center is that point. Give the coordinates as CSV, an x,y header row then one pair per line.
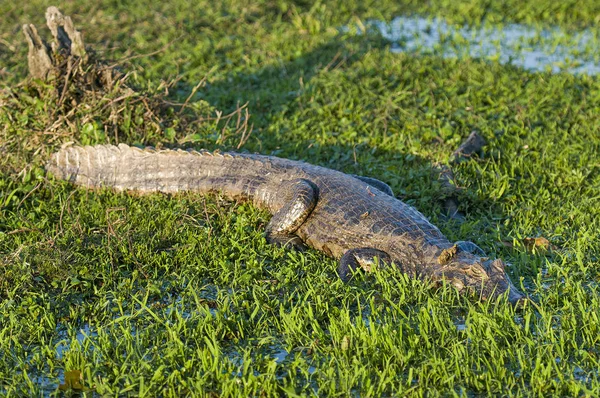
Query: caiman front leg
x,y
363,257
301,198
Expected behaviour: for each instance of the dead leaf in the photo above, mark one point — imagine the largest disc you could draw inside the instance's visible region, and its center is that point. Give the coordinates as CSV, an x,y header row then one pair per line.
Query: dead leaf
x,y
73,381
539,243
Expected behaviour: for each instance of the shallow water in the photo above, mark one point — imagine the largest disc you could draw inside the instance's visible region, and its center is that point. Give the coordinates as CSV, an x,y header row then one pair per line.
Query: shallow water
x,y
64,344
534,49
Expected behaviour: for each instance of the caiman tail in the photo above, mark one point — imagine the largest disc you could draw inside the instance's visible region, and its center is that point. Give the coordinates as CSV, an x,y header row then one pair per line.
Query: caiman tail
x,y
123,167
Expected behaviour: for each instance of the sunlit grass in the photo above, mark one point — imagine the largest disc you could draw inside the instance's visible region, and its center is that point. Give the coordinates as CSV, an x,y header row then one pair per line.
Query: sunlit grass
x,y
181,295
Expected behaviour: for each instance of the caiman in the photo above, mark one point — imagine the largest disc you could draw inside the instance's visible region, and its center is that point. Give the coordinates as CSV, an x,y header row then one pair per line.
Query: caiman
x,y
353,218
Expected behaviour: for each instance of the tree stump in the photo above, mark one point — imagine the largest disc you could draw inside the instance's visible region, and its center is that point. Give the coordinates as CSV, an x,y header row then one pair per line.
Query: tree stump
x,y
68,42
38,59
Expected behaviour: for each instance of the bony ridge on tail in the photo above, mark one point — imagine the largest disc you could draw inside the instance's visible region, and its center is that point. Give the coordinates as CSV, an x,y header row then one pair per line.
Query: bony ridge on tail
x,y
352,218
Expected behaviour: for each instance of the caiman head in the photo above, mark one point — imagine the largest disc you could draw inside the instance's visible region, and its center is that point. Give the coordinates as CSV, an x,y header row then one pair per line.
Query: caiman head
x,y
480,275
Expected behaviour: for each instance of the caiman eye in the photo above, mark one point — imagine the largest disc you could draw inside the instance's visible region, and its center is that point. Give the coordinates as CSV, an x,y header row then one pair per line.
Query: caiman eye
x,y
458,284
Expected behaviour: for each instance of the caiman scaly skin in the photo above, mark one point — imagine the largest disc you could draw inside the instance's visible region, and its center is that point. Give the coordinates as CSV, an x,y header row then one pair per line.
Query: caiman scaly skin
x,y
355,219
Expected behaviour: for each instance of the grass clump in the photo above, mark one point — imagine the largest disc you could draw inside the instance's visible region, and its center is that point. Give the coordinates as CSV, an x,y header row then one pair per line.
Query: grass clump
x,y
181,295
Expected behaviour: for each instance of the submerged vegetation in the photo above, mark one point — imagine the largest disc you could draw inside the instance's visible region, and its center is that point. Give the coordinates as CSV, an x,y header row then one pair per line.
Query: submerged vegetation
x,y
180,295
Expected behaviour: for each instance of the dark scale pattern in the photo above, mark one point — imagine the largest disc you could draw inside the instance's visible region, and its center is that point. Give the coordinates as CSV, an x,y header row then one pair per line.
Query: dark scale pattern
x,y
323,208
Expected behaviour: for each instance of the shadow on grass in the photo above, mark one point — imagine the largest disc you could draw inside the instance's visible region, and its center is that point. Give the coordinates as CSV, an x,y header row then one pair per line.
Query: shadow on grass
x,y
271,88
272,93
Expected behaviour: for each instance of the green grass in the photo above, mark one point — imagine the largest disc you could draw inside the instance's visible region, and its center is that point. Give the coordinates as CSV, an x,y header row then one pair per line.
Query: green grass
x,y
181,295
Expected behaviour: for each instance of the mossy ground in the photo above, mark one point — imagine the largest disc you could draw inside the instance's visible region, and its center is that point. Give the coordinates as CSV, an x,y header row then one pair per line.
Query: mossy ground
x,y
181,295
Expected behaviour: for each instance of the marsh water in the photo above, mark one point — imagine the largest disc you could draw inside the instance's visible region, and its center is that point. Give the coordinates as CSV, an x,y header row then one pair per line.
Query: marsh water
x,y
528,47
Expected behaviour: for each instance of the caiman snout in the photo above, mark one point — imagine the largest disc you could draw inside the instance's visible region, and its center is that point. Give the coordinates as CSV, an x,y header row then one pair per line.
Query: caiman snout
x,y
499,283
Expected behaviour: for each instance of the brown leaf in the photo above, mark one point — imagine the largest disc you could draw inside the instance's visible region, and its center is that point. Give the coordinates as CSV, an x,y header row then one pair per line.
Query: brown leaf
x,y
73,381
539,243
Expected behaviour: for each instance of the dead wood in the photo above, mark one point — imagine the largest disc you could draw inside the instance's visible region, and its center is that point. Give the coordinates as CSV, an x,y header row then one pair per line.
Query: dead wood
x,y
66,61
66,37
471,146
38,59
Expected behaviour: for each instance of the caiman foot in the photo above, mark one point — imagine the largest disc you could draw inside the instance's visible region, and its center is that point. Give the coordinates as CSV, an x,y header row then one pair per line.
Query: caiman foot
x,y
301,198
287,241
363,258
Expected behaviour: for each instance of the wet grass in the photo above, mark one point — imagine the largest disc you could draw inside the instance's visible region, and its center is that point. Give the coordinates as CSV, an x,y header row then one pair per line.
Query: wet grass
x,y
181,295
